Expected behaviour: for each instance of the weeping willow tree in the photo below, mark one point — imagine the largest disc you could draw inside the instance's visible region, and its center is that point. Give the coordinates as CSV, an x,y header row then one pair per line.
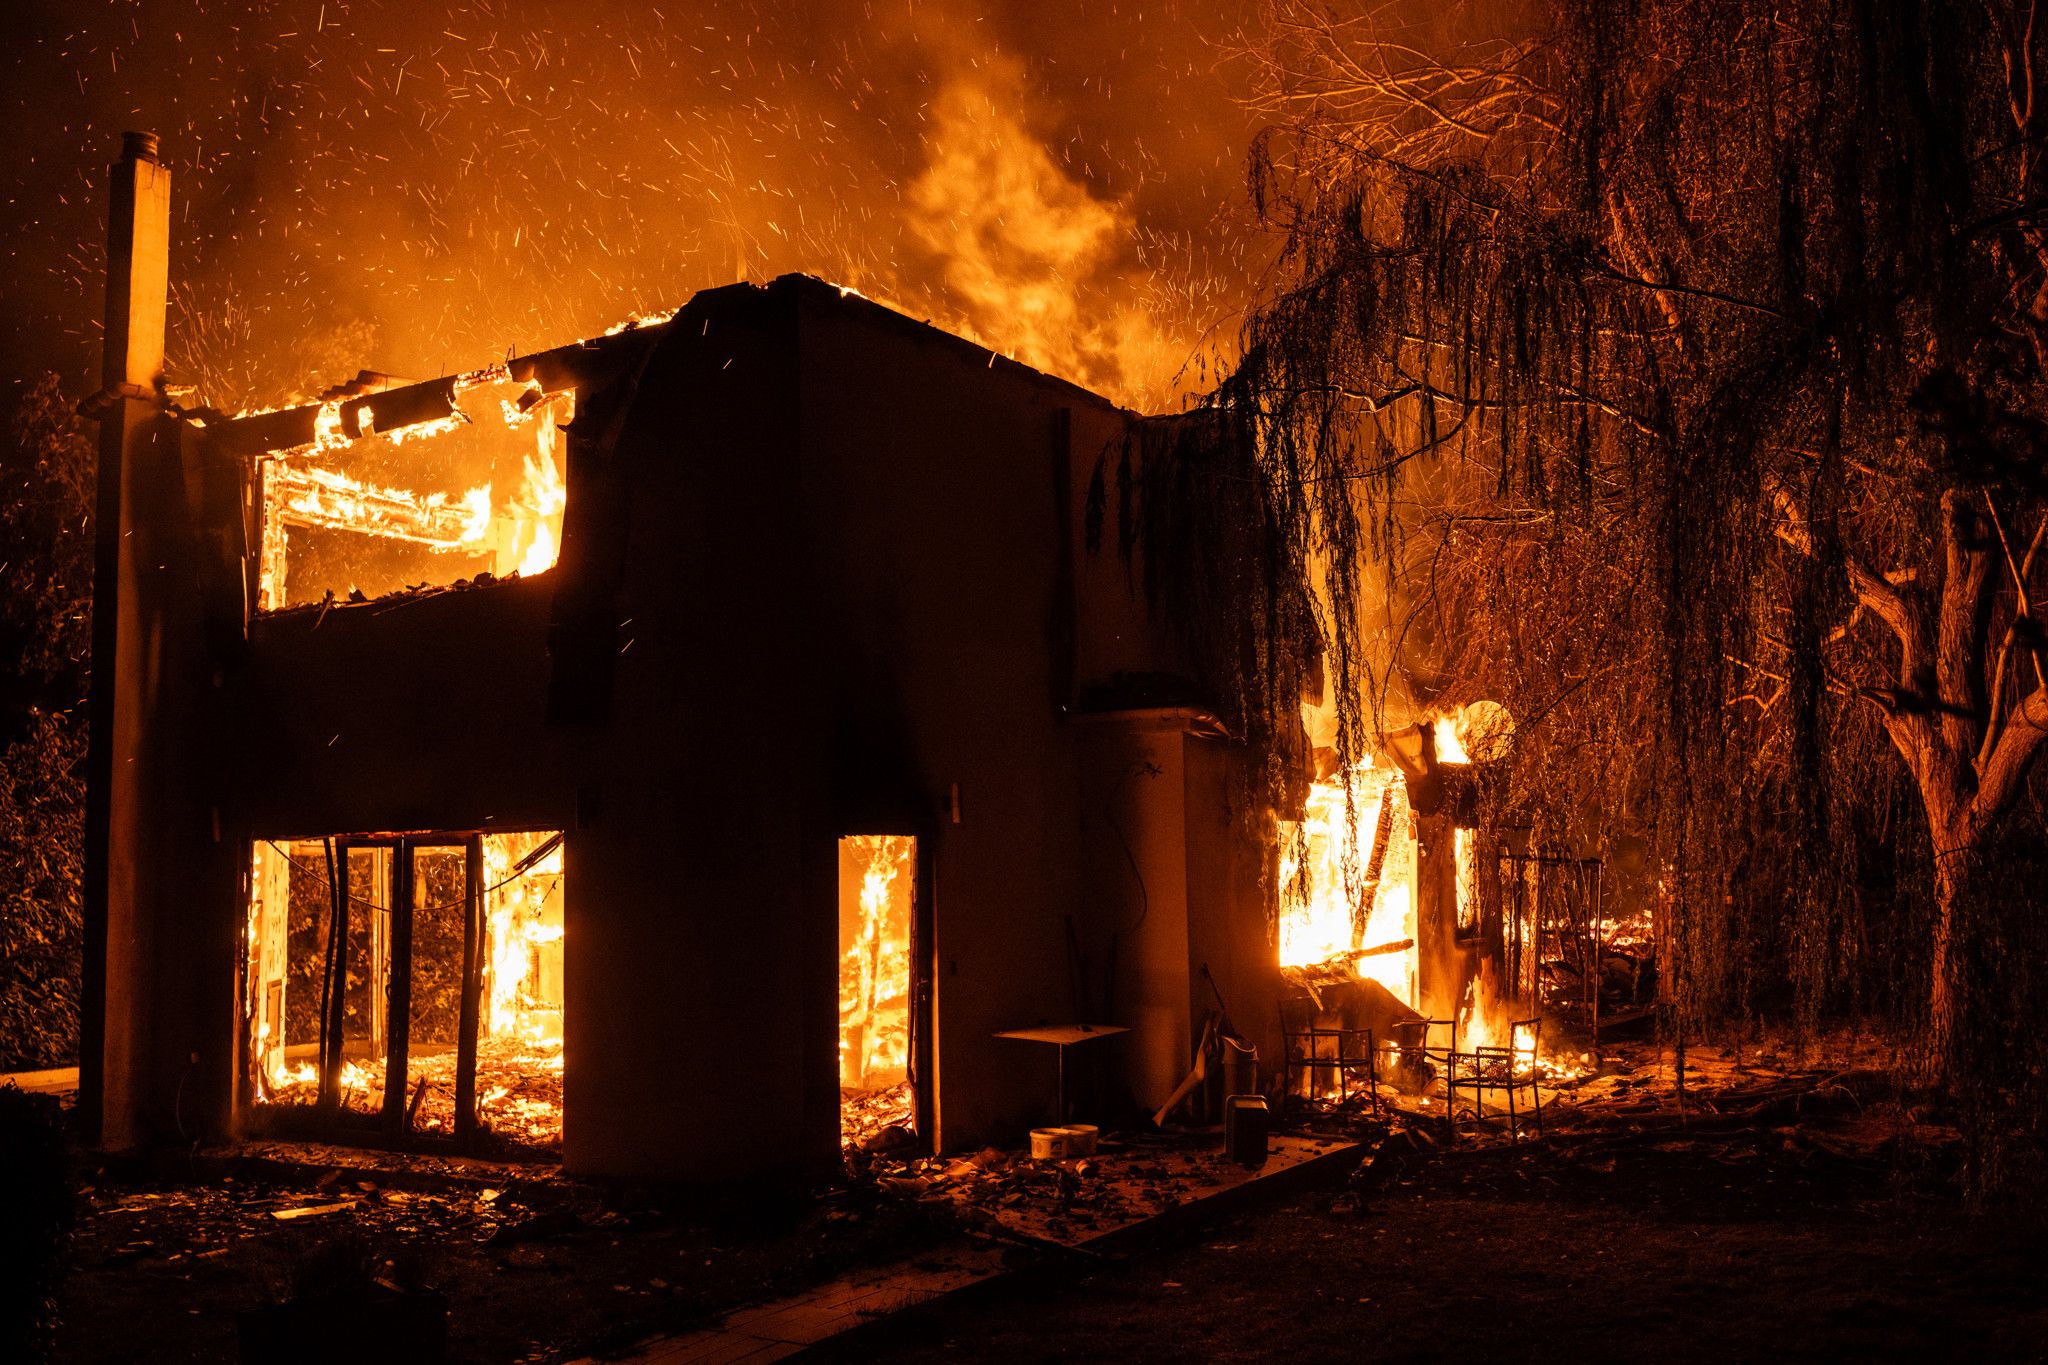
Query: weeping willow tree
x,y
1675,370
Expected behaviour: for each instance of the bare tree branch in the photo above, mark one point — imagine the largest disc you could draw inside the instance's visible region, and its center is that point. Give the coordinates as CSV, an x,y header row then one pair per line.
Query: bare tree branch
x,y
2017,748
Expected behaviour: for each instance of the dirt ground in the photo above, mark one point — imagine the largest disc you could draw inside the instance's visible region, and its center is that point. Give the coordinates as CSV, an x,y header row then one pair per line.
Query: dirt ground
x,y
1793,1207
1637,1254
534,1269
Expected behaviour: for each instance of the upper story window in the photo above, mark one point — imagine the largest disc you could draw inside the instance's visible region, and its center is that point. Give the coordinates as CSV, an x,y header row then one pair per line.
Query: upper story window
x,y
474,494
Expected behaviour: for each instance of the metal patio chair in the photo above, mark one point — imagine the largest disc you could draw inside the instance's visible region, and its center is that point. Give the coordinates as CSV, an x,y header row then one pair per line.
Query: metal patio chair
x,y
1481,1069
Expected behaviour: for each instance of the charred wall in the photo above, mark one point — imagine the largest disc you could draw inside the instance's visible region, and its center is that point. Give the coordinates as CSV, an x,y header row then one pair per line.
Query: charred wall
x,y
941,484
698,983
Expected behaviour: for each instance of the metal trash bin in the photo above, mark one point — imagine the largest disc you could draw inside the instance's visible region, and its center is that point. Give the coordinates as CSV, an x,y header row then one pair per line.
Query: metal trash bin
x,y
1245,1124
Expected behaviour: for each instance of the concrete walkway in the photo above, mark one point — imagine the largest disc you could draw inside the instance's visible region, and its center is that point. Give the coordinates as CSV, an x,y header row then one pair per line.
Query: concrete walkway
x,y
1202,1187
775,1330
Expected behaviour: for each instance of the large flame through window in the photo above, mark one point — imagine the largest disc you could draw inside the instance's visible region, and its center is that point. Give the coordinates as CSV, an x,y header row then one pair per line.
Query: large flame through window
x,y
1347,881
877,892
477,492
522,986
459,937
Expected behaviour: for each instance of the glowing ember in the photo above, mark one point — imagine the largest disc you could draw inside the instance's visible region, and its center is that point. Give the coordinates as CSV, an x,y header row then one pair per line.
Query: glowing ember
x,y
864,1113
519,1090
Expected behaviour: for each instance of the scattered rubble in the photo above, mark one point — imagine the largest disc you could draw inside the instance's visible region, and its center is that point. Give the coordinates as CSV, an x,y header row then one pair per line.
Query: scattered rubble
x,y
1847,1105
877,1120
526,1257
518,1085
1069,1202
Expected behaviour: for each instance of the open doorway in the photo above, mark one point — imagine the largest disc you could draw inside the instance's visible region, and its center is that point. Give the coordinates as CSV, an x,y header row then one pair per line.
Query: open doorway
x,y
877,933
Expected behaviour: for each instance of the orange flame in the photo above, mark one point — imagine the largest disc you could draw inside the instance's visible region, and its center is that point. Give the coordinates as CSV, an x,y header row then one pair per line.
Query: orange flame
x,y
1345,870
1026,249
523,940
312,486
874,970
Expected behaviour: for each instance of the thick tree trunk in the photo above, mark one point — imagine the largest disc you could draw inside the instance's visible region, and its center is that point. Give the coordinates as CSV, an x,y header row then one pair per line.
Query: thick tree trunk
x,y
1946,783
1950,720
1944,994
1963,802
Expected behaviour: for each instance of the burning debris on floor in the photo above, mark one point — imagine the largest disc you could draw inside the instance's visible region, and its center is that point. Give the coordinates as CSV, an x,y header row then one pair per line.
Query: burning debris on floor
x,y
518,1084
1859,1106
1847,1104
1071,1201
880,1120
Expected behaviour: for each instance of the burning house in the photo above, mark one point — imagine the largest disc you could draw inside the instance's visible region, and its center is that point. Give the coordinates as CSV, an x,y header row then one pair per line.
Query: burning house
x,y
675,753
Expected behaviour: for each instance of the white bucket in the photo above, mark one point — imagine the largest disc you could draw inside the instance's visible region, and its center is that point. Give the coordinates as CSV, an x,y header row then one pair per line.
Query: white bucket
x,y
1049,1144
1081,1138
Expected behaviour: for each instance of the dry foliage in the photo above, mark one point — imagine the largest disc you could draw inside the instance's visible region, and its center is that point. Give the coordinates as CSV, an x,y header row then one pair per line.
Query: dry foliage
x,y
1671,373
46,495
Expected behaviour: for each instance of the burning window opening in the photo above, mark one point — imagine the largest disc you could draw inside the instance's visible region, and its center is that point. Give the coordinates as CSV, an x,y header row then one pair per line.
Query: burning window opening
x,y
1350,876
476,493
877,894
1347,881
301,947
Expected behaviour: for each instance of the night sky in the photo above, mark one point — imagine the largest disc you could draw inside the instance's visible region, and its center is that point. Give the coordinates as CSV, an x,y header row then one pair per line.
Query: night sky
x,y
420,188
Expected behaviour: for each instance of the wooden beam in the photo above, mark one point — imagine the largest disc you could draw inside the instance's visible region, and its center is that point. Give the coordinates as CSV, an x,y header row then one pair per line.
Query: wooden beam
x,y
472,991
334,991
138,266
398,993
